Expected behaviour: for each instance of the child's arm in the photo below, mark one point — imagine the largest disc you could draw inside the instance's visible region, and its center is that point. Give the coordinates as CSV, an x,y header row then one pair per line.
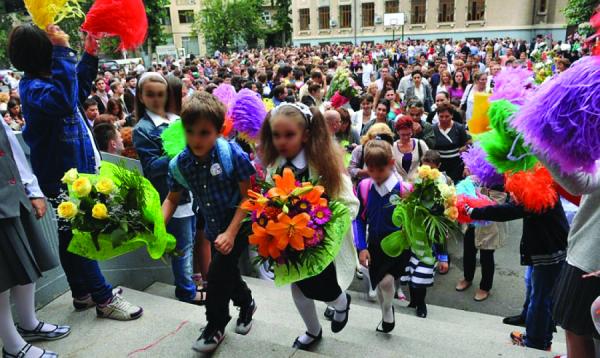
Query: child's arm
x,y
225,241
170,205
361,235
87,68
154,162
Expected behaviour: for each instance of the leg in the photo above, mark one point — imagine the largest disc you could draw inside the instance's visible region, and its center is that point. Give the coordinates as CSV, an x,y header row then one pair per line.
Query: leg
x,y
528,289
308,312
486,258
201,253
579,346
183,230
385,293
596,313
11,340
469,254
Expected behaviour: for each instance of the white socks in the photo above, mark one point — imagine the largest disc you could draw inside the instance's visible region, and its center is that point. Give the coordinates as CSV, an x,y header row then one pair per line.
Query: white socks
x,y
24,300
339,304
385,293
308,312
11,340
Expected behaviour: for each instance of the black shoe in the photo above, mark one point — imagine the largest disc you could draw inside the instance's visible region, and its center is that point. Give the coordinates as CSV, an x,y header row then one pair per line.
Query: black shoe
x,y
244,322
306,347
514,321
422,311
23,352
209,340
37,335
329,312
337,326
387,327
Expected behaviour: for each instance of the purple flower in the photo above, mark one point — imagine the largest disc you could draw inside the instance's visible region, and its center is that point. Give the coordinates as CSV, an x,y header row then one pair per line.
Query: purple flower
x,y
316,239
321,215
303,206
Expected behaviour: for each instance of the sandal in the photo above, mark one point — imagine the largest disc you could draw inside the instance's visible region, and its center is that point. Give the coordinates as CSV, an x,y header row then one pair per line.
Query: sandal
x,y
36,334
307,346
201,301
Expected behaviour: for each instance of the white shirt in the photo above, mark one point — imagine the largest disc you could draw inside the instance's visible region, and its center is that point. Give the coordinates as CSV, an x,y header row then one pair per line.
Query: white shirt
x,y
28,179
97,157
299,161
387,186
357,120
367,71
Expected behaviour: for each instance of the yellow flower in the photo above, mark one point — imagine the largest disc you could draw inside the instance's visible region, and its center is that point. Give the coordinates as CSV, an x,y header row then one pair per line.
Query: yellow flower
x,y
446,190
70,176
100,211
82,187
451,213
67,210
105,186
434,174
451,200
424,171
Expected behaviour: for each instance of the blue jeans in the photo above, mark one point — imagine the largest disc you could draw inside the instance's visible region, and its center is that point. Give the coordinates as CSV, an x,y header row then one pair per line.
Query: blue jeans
x,y
539,320
184,230
84,275
527,277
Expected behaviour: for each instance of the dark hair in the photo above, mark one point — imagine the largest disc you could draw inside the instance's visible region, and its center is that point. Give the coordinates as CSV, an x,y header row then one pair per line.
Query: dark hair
x,y
112,104
414,102
203,106
367,97
22,41
404,122
129,78
316,74
104,133
463,85
277,91
386,103
378,153
89,103
313,87
444,107
432,156
416,72
174,88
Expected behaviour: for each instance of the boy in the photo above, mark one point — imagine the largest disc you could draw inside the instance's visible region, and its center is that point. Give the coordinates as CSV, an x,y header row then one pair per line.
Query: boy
x,y
218,173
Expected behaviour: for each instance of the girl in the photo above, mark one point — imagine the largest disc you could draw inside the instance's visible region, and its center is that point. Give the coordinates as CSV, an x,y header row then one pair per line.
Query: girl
x,y
17,122
381,116
457,89
362,117
115,107
468,100
295,137
445,82
152,101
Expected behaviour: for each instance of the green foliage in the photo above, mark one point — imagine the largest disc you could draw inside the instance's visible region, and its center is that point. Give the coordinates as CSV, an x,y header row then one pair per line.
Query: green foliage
x,y
157,11
283,20
579,11
6,22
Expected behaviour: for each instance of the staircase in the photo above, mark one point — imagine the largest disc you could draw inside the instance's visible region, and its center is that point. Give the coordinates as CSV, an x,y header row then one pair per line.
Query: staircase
x,y
169,327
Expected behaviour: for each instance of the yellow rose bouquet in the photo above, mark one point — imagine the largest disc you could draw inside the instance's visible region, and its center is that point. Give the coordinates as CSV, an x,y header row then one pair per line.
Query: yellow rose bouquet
x,y
113,213
426,216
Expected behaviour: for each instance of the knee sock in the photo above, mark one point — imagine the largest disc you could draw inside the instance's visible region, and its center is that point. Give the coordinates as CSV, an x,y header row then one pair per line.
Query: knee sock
x,y
596,313
385,293
24,299
308,312
11,340
339,305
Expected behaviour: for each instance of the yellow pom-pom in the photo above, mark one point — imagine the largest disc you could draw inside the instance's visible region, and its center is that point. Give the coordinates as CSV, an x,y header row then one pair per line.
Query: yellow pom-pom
x,y
480,121
46,12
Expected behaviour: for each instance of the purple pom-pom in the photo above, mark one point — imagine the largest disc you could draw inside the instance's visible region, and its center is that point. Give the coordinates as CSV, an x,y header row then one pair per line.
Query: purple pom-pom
x,y
562,120
248,113
225,93
475,160
513,84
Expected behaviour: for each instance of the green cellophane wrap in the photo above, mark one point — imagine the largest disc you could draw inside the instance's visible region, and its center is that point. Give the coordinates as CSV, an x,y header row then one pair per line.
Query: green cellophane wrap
x,y
158,243
347,156
173,138
314,260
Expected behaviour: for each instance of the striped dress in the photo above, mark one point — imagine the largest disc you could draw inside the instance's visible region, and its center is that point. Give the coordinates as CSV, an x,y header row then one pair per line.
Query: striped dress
x,y
448,144
417,273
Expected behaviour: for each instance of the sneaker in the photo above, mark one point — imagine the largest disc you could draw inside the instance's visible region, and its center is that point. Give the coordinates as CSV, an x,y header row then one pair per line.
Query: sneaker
x,y
244,321
87,302
209,340
119,309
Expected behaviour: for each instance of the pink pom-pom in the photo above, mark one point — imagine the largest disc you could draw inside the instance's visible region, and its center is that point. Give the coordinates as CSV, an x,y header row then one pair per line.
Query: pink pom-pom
x,y
480,201
225,93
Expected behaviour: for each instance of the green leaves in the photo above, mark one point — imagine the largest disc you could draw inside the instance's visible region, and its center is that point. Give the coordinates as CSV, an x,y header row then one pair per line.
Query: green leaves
x,y
579,11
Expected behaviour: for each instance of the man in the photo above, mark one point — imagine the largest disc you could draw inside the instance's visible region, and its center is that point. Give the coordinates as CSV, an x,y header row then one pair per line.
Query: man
x,y
90,109
108,138
313,99
421,128
334,121
129,95
118,92
316,77
384,72
495,68
280,93
101,96
367,71
407,80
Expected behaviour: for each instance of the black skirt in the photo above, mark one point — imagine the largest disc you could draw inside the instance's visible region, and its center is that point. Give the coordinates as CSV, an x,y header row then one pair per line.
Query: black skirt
x,y
322,287
24,251
573,298
382,264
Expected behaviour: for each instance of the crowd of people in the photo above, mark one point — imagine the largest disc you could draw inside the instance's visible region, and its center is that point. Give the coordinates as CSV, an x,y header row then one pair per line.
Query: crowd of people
x,y
411,105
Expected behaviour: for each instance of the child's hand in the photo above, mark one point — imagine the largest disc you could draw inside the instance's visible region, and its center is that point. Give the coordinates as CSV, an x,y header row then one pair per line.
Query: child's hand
x,y
57,36
91,45
591,274
224,243
443,267
364,257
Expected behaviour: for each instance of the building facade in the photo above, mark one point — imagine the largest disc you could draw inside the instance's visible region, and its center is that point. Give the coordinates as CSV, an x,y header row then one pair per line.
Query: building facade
x,y
356,21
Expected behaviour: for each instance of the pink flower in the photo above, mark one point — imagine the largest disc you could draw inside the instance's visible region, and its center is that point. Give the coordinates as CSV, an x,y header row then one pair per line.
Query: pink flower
x,y
321,215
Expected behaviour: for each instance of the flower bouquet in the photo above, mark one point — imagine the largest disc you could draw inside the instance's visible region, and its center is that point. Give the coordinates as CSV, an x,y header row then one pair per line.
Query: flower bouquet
x,y
295,227
426,216
342,84
113,213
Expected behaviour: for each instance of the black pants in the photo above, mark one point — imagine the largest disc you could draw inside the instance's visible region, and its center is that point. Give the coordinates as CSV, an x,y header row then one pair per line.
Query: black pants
x,y
486,259
225,282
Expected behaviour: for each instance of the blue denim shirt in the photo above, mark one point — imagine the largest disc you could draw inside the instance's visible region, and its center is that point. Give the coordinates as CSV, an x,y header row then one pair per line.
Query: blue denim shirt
x,y
55,130
217,194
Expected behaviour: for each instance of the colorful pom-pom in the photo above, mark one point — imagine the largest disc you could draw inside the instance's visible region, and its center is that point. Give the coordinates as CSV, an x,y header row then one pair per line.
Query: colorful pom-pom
x,y
513,84
125,19
173,139
475,160
269,105
534,189
225,93
562,118
227,126
46,12
248,113
463,201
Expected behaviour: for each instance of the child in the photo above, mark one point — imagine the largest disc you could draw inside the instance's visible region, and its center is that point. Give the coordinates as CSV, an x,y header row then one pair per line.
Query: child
x,y
295,137
218,174
152,118
375,218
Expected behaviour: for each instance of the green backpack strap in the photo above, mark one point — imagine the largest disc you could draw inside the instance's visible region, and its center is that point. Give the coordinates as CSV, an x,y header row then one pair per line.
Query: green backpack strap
x,y
176,173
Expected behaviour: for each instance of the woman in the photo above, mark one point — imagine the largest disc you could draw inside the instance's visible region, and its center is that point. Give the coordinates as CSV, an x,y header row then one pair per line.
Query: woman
x,y
392,97
381,116
407,150
17,122
445,82
468,99
451,139
357,168
115,107
347,136
420,90
457,89
365,114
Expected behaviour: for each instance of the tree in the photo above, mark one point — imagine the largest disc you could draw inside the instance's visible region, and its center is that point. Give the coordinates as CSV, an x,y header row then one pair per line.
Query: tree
x,y
157,11
579,11
283,20
6,22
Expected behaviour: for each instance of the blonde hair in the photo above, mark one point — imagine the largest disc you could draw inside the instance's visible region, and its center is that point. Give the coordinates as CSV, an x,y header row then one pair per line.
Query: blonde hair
x,y
322,153
375,130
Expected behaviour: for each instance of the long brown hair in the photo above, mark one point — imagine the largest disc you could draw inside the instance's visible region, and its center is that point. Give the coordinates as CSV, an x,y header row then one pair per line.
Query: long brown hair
x,y
322,153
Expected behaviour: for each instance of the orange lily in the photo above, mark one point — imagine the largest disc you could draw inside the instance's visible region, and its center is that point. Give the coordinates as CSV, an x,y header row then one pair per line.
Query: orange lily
x,y
292,230
268,245
284,185
314,196
256,203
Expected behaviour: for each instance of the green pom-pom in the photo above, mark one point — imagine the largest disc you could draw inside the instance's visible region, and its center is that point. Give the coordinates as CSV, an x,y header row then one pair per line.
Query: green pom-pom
x,y
174,139
498,147
500,114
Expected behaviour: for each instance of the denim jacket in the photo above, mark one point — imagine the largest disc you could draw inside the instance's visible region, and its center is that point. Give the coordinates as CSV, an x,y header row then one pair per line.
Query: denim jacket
x,y
55,130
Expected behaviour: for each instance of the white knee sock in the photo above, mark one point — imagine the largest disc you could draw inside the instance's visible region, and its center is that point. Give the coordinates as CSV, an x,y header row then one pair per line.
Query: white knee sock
x,y
339,305
385,293
11,339
24,299
308,312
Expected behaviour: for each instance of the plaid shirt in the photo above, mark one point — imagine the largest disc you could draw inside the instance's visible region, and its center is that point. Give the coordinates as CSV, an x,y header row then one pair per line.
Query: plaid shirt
x,y
216,193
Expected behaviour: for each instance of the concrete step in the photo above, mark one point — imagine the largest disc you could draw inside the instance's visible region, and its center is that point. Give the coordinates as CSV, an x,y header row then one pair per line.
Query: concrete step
x,y
413,336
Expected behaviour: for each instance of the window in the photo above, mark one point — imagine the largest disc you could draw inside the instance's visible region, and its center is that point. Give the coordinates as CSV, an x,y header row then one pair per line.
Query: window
x,y
345,16
186,16
392,7
191,45
542,6
266,16
417,11
166,21
368,14
446,11
304,19
476,10
324,17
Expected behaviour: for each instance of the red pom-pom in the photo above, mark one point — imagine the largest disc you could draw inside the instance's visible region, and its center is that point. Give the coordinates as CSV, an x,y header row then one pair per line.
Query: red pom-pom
x,y
534,189
464,200
227,127
337,100
123,18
